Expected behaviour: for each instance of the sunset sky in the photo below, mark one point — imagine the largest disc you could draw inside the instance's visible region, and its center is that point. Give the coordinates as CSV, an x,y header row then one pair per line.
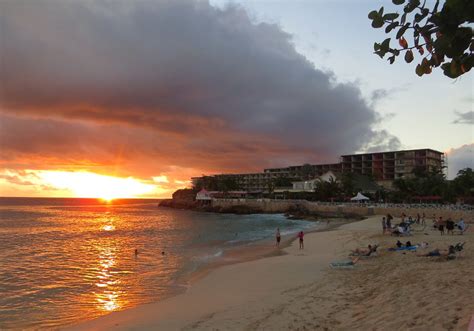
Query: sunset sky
x,y
132,98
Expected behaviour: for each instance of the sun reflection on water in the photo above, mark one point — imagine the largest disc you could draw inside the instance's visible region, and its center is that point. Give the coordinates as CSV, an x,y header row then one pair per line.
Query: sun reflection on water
x,y
107,296
108,227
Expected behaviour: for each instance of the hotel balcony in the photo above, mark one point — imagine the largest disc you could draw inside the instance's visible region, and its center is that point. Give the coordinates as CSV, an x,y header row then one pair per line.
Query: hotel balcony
x,y
389,156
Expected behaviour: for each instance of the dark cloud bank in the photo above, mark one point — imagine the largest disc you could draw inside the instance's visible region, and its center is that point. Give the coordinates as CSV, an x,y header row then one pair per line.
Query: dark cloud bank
x,y
168,83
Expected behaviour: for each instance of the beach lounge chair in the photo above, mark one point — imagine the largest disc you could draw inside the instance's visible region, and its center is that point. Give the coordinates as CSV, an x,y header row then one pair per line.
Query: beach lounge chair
x,y
401,231
459,247
462,229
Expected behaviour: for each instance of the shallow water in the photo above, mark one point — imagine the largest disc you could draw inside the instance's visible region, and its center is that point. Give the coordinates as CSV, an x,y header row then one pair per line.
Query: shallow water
x,y
62,261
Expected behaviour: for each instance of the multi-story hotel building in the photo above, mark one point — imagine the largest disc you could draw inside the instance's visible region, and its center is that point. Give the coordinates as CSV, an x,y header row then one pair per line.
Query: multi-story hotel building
x,y
384,167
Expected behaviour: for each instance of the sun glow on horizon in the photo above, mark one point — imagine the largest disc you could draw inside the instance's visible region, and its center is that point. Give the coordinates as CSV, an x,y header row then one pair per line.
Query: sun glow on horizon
x,y
90,185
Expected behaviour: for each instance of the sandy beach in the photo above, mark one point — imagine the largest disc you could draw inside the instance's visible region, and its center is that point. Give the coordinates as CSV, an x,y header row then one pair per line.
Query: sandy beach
x,y
297,290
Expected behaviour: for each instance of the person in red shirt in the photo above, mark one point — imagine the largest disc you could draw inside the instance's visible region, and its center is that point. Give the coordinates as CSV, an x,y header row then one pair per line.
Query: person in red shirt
x,y
301,235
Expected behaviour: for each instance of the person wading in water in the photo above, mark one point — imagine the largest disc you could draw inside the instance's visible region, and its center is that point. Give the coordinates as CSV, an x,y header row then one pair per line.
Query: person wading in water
x,y
278,237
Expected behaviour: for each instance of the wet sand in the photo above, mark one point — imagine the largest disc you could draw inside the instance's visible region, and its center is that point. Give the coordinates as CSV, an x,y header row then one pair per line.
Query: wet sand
x,y
299,291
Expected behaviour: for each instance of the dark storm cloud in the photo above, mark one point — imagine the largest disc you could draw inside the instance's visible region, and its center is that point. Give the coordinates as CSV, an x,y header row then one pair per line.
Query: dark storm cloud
x,y
181,82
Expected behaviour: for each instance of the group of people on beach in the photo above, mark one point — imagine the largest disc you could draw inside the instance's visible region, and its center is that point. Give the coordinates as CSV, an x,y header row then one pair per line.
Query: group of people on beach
x,y
450,253
371,250
300,236
403,228
406,221
449,225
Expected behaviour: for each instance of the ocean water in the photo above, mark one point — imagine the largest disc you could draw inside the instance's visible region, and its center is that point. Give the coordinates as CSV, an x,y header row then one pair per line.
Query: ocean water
x,y
66,260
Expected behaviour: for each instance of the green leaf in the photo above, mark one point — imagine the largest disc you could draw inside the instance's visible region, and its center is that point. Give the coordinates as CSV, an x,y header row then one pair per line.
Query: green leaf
x,y
409,56
461,41
442,44
380,53
398,2
412,4
403,19
385,45
391,59
377,23
402,30
390,16
380,11
376,46
373,14
391,26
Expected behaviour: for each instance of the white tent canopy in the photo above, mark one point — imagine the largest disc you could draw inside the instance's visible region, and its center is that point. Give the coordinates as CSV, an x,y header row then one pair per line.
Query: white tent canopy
x,y
359,197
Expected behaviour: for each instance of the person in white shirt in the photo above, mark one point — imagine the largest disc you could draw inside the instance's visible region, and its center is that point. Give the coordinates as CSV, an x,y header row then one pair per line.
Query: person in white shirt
x,y
461,226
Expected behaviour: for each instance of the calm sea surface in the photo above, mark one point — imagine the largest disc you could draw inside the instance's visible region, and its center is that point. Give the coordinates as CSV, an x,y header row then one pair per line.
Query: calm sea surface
x,y
67,260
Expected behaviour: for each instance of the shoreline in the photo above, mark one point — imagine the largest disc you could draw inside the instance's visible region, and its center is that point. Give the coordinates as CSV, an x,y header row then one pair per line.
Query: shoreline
x,y
260,249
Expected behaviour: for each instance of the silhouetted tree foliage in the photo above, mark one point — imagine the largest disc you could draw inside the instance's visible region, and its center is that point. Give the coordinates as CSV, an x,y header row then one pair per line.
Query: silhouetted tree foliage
x,y
347,183
326,191
432,183
463,184
442,37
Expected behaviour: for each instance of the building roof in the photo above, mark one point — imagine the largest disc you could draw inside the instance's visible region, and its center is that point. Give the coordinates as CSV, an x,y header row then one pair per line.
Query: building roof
x,y
399,151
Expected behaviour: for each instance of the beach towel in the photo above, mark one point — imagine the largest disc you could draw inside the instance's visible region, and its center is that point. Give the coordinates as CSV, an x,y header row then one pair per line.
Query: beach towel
x,y
409,248
346,264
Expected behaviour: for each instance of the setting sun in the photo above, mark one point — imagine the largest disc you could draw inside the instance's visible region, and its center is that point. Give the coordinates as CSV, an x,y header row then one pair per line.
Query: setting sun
x,y
90,185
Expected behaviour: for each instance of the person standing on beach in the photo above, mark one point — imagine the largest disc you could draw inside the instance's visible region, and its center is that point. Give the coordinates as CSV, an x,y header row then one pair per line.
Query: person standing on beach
x,y
461,226
441,225
301,235
278,237
389,222
450,226
384,225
